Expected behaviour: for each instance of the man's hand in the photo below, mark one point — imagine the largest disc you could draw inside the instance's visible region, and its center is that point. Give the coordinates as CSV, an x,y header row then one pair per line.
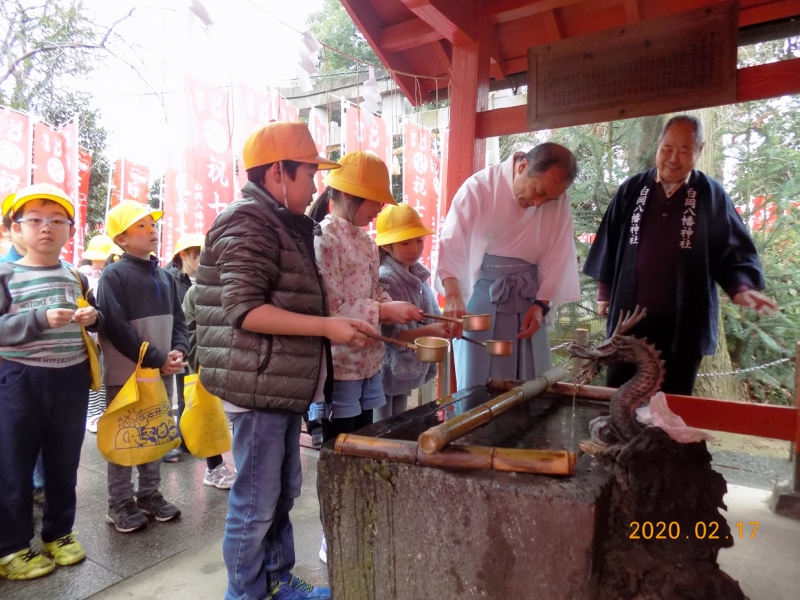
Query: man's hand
x,y
174,363
58,317
763,305
454,306
602,307
399,312
85,316
340,330
533,320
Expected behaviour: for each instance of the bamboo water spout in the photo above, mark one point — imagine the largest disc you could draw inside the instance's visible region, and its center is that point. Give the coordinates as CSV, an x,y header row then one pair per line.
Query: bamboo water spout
x,y
438,437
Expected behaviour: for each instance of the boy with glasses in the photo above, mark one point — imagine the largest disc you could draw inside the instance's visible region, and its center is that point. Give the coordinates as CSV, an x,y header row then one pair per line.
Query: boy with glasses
x,y
44,384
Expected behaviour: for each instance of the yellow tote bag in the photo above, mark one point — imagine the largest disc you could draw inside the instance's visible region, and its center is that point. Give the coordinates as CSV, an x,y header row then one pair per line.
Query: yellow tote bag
x,y
137,427
204,426
91,346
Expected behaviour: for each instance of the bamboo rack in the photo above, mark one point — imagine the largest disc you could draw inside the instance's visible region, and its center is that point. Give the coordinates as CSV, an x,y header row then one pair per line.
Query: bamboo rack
x,y
436,438
511,460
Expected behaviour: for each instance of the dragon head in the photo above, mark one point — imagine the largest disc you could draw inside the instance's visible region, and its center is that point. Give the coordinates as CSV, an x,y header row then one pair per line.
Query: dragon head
x,y
618,348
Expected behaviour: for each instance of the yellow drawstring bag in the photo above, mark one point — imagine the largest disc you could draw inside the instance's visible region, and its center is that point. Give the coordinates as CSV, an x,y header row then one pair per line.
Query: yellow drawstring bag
x,y
204,426
91,346
137,427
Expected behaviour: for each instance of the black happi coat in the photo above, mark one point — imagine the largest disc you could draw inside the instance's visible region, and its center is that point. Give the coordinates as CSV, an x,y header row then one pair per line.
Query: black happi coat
x,y
719,250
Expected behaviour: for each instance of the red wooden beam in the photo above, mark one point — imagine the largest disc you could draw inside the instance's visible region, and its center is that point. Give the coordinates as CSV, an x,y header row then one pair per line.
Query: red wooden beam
x,y
408,34
456,20
369,23
768,11
768,81
763,420
551,24
754,83
511,10
633,12
469,95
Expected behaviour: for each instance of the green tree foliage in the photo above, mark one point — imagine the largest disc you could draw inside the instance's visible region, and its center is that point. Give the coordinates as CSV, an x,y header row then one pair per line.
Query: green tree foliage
x,y
46,47
333,27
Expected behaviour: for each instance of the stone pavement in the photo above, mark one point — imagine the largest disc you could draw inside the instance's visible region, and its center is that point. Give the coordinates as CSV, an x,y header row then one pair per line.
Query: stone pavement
x,y
182,560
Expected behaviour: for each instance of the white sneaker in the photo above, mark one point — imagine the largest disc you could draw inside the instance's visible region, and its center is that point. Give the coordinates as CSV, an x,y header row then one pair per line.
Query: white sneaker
x,y
323,551
220,477
91,423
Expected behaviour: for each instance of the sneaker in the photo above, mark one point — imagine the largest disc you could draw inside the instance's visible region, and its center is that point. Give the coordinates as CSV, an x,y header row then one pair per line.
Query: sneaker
x,y
25,564
126,517
174,456
66,550
323,551
155,505
91,423
220,477
293,588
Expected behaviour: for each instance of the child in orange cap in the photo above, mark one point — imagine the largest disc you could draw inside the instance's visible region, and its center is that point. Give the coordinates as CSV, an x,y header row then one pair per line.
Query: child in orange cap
x,y
401,239
263,334
348,259
44,384
142,302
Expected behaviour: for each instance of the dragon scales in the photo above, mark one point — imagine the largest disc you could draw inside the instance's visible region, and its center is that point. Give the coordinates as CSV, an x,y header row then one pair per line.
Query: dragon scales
x,y
620,425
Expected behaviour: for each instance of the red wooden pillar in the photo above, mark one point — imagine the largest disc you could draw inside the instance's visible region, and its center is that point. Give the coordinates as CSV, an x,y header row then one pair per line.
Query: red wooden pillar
x,y
469,95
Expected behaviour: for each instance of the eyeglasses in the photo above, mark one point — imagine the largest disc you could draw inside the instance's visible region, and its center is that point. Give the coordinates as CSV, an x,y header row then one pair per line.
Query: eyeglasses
x,y
39,223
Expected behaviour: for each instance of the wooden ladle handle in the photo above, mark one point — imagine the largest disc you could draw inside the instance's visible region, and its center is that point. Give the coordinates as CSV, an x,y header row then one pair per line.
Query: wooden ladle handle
x,y
441,318
388,340
463,337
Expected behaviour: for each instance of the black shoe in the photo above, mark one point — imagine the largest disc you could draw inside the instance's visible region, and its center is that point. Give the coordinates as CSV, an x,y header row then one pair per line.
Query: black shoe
x,y
155,504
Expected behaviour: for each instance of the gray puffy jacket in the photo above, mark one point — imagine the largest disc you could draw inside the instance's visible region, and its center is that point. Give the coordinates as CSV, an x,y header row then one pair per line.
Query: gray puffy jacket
x,y
257,252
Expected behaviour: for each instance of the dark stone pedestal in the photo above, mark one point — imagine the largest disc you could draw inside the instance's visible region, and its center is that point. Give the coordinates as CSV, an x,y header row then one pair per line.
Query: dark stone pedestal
x,y
404,532
665,529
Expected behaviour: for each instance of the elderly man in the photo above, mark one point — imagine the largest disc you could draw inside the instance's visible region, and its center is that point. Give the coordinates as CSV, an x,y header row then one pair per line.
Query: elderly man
x,y
668,237
507,249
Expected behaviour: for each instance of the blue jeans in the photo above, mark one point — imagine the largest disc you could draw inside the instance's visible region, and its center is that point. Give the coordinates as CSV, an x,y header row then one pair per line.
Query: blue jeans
x,y
258,547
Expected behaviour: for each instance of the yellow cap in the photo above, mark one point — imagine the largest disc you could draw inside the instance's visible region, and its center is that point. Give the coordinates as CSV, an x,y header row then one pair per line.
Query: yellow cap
x,y
41,191
363,175
125,214
189,240
283,140
100,248
7,203
398,224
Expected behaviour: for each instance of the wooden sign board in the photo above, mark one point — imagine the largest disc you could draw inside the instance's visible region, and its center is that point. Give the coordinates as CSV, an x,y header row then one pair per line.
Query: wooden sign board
x,y
674,63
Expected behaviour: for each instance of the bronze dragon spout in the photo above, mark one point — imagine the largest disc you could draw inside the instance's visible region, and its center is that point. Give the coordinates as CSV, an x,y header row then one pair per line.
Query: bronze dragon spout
x,y
620,425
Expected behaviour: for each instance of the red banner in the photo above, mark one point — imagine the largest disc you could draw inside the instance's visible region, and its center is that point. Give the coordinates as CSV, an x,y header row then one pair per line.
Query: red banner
x,y
258,108
131,182
178,205
49,162
361,133
420,170
82,206
15,151
210,156
319,131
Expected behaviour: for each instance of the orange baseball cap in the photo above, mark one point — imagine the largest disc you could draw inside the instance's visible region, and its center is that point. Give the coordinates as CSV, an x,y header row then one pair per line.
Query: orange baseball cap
x,y
283,140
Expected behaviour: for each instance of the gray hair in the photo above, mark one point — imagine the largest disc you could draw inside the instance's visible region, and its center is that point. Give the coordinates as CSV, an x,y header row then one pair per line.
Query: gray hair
x,y
551,156
694,122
